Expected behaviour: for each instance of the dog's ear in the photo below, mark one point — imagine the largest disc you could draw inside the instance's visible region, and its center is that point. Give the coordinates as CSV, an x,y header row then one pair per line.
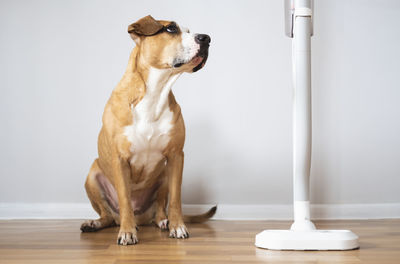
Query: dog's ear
x,y
146,26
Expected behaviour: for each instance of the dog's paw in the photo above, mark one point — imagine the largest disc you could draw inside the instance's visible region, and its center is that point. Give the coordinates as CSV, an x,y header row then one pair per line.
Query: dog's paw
x,y
90,226
163,224
178,231
127,238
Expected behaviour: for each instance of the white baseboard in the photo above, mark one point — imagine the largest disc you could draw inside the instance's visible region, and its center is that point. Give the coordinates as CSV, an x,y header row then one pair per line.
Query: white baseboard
x,y
224,212
46,211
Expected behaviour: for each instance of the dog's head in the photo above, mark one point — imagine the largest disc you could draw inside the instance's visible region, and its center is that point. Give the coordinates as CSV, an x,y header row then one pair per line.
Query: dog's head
x,y
163,44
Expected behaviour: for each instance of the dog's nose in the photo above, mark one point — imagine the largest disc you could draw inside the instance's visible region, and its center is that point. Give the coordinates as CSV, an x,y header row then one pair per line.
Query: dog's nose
x,y
202,39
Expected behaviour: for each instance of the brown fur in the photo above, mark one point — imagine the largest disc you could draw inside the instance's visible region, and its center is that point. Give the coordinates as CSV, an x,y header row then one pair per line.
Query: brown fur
x,y
163,184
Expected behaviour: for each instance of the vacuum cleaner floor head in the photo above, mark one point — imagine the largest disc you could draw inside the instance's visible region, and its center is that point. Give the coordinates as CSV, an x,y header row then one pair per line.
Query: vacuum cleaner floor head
x,y
307,240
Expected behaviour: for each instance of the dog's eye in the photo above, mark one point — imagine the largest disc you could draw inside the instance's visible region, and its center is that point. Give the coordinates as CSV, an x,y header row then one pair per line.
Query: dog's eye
x,y
172,29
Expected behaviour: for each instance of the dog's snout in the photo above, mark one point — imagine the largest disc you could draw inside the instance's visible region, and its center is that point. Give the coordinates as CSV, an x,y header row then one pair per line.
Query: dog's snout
x,y
202,39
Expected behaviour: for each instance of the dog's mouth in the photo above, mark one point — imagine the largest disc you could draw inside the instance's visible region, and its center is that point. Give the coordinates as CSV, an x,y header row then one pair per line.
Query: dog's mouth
x,y
200,59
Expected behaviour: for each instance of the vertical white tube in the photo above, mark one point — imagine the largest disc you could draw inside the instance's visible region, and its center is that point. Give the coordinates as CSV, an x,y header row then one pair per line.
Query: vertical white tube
x,y
301,108
301,119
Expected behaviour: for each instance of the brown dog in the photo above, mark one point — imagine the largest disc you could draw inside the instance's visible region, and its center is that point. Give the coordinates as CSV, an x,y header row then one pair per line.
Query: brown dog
x,y
140,146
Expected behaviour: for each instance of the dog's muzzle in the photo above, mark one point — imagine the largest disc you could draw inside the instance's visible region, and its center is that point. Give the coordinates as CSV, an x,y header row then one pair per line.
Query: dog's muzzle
x,y
204,41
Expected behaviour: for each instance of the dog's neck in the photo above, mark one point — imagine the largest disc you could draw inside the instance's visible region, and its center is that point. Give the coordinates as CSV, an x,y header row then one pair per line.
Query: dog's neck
x,y
157,86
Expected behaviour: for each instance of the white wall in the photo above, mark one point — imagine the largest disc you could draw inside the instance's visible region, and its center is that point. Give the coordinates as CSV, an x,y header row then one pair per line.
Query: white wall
x,y
60,60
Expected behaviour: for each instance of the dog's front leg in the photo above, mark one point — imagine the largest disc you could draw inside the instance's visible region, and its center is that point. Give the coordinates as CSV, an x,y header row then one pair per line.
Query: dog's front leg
x,y
127,232
174,170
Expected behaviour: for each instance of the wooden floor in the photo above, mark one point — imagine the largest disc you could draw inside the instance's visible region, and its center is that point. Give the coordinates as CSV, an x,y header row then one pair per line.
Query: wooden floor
x,y
60,241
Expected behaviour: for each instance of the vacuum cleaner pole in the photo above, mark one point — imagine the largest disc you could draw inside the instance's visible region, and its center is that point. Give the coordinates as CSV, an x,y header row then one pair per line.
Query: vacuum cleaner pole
x,y
301,32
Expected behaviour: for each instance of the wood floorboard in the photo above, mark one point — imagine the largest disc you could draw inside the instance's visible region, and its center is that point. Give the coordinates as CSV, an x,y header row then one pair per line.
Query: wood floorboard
x,y
60,241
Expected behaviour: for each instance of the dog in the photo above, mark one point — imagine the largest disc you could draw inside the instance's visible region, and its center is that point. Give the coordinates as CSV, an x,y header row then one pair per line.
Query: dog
x,y
138,172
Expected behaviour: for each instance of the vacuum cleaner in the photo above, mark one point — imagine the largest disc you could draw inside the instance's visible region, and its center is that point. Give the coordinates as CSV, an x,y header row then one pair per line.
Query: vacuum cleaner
x,y
303,235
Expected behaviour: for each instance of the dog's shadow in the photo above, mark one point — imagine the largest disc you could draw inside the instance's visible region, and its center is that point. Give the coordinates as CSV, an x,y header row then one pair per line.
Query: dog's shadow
x,y
198,185
208,158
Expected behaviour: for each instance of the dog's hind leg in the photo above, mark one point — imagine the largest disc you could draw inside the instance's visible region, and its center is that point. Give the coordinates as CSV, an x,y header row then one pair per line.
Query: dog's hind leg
x,y
101,195
161,219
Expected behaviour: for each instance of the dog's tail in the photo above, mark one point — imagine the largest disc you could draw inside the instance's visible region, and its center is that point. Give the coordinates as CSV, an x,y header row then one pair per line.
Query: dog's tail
x,y
200,218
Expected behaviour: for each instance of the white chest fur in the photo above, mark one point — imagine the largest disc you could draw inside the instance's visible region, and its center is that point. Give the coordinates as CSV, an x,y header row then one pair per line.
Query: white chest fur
x,y
152,122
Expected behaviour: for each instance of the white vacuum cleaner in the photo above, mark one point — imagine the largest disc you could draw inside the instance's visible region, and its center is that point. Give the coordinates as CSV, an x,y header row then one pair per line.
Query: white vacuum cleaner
x,y
303,235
